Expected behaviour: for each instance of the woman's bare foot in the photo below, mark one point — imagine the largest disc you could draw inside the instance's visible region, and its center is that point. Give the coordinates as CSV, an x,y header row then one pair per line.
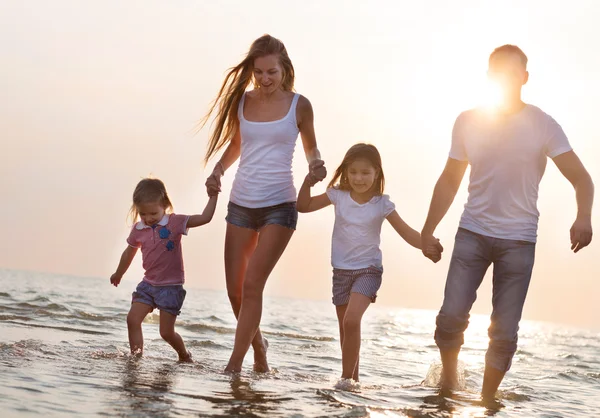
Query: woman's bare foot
x,y
186,358
260,358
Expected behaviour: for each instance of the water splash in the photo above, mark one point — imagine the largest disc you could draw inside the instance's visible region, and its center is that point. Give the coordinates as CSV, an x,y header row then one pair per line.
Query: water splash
x,y
348,385
434,376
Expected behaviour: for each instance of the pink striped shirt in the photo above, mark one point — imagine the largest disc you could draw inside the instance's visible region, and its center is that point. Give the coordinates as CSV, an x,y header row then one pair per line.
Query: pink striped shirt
x,y
162,256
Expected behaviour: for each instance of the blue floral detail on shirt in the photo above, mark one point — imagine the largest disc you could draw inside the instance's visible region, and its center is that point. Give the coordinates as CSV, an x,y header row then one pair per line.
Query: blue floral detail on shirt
x,y
164,233
170,245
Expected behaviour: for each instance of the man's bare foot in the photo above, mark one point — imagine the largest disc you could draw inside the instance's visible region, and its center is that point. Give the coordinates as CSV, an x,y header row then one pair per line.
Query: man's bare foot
x,y
492,378
449,381
260,358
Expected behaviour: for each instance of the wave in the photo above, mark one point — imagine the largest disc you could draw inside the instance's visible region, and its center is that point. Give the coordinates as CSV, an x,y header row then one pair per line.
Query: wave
x,y
91,316
509,395
524,353
215,318
80,330
51,306
206,343
298,336
226,330
20,348
53,311
572,375
22,344
40,299
204,327
575,375
12,317
570,356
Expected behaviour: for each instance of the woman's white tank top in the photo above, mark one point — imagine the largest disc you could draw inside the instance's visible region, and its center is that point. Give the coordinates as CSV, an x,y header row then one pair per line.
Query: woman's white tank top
x,y
264,177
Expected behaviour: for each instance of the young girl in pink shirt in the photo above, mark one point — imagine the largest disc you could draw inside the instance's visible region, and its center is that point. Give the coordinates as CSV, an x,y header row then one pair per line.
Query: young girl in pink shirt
x,y
158,234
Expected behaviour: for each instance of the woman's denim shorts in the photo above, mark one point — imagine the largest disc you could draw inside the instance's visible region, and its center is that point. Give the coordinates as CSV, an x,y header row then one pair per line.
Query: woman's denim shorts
x,y
284,214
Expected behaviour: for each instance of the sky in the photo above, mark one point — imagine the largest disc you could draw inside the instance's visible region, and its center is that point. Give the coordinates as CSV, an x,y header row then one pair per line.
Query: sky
x,y
99,94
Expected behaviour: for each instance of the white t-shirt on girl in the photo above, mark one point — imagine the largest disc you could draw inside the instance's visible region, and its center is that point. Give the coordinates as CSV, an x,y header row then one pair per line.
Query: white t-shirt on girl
x,y
357,230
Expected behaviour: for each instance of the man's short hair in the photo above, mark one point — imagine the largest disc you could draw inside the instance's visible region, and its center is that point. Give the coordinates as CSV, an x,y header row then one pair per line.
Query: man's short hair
x,y
510,49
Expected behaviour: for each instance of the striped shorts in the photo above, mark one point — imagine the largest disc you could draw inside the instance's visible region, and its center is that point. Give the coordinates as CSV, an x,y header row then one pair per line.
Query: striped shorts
x,y
364,281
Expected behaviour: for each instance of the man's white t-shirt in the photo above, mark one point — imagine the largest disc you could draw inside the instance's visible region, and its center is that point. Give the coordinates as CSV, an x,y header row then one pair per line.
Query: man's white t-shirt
x,y
508,157
357,230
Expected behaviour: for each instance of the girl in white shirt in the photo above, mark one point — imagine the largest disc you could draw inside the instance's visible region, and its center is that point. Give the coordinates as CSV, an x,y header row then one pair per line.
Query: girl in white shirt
x,y
356,191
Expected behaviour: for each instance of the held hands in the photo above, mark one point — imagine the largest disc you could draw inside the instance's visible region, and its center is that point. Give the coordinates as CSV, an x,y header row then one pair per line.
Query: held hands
x,y
115,279
213,182
581,233
431,247
316,172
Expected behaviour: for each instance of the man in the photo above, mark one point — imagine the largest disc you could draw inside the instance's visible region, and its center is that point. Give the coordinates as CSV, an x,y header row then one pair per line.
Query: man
x,y
507,149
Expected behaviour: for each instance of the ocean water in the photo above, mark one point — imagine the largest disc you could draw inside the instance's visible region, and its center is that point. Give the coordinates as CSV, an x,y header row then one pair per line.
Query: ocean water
x,y
64,352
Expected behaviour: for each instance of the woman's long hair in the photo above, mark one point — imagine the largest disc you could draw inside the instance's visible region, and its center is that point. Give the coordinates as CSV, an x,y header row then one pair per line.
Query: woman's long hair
x,y
235,84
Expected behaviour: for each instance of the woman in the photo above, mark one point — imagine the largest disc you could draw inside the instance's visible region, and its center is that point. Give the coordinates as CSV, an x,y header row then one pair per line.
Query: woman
x,y
261,127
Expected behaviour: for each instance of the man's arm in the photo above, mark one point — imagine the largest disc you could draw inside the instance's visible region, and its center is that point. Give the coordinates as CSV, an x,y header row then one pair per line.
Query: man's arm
x,y
572,168
443,195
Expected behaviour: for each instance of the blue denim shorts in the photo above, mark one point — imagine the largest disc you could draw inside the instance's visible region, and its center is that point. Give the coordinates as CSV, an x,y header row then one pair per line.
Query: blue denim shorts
x,y
165,298
284,214
364,281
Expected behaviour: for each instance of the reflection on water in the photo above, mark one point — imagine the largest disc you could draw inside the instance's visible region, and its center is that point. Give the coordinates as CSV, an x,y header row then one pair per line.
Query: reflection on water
x,y
145,389
464,405
243,400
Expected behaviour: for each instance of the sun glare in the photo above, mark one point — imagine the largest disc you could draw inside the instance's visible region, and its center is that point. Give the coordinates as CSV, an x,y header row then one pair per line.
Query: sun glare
x,y
491,95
